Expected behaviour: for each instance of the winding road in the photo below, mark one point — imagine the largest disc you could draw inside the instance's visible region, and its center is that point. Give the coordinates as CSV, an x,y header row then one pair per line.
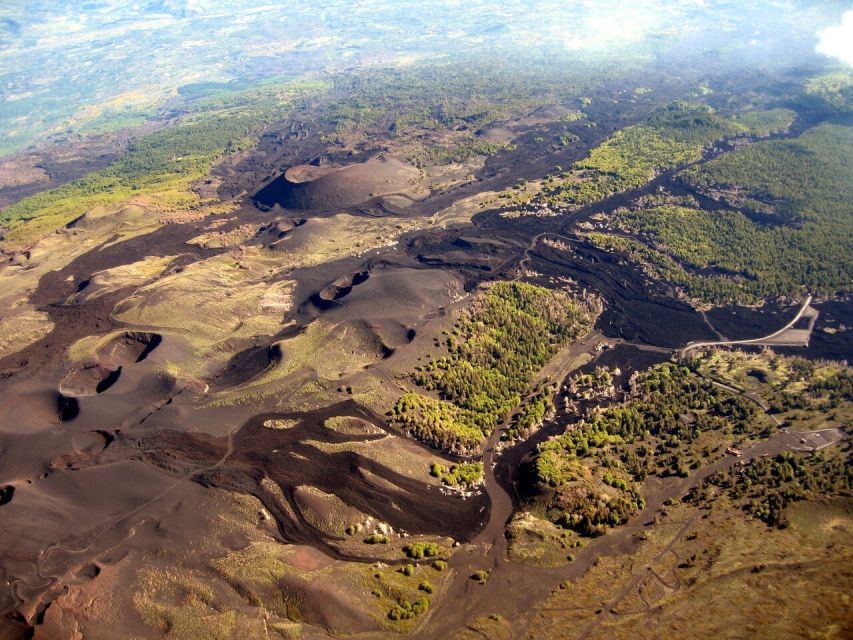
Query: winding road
x,y
512,589
801,338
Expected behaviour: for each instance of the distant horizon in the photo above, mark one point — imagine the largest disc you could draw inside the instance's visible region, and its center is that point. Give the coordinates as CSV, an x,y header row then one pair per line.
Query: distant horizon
x,y
432,319
82,67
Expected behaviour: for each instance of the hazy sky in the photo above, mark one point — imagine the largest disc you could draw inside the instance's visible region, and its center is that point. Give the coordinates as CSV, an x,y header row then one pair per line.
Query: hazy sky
x,y
65,61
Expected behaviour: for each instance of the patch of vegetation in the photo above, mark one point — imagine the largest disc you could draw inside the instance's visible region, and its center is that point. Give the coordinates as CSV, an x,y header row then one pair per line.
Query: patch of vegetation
x,y
833,389
766,122
802,187
160,166
532,412
671,137
794,388
406,610
495,348
351,425
465,474
593,469
438,422
376,538
766,486
574,116
567,138
420,550
327,512
537,542
402,594
458,152
481,575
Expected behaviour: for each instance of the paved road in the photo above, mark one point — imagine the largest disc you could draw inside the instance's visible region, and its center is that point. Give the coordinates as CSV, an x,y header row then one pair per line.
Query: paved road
x,y
768,339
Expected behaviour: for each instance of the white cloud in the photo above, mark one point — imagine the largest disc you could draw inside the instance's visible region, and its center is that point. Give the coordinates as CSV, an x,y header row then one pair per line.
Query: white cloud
x,y
837,41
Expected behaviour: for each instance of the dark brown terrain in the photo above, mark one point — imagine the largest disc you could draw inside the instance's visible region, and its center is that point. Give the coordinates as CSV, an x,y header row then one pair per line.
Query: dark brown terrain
x,y
197,443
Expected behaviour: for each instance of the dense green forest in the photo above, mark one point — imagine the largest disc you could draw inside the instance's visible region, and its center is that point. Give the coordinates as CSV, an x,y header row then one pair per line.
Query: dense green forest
x,y
767,122
671,137
804,186
493,352
798,180
790,228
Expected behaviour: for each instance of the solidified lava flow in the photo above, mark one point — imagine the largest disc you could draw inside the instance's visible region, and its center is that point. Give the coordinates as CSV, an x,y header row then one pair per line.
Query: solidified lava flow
x,y
428,332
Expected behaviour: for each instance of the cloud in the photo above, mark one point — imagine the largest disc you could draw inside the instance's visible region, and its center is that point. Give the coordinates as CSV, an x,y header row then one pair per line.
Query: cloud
x,y
837,41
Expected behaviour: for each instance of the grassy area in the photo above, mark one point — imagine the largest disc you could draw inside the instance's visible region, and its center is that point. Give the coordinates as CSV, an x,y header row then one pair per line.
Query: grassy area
x,y
22,324
326,511
352,426
398,454
182,301
769,485
267,589
713,574
181,605
404,593
538,542
369,595
494,350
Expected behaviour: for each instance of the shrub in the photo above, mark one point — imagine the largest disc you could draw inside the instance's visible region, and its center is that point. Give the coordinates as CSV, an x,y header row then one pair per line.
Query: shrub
x,y
439,565
420,550
481,575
